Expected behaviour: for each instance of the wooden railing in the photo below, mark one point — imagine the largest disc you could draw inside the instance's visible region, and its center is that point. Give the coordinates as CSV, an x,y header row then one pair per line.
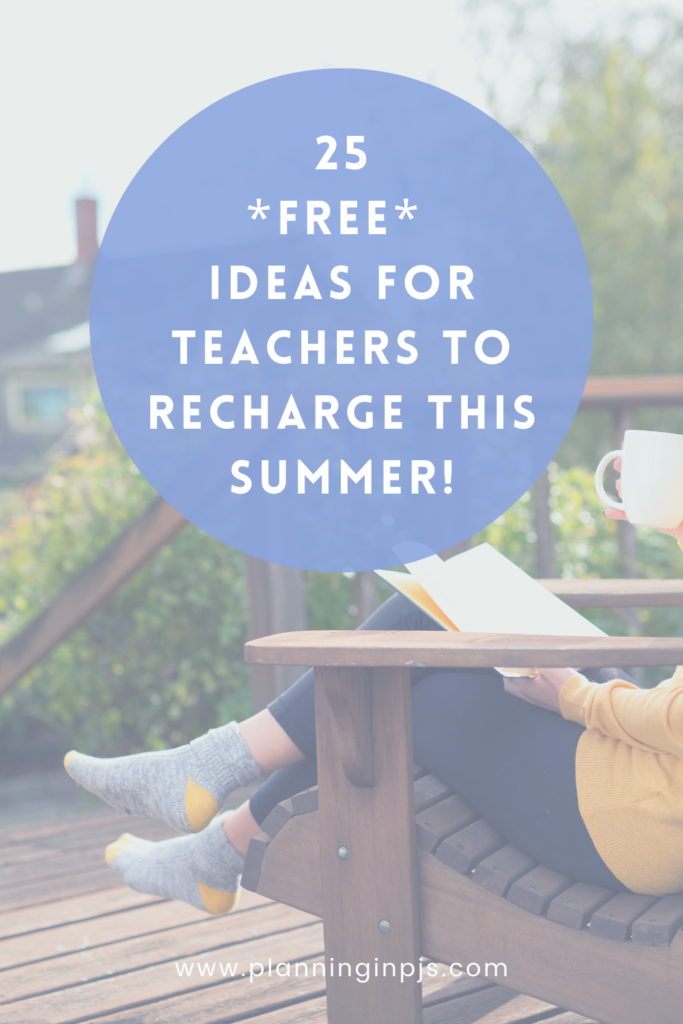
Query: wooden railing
x,y
88,589
624,394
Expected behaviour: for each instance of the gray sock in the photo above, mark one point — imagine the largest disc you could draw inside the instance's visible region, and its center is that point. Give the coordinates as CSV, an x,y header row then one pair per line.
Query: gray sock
x,y
203,869
186,787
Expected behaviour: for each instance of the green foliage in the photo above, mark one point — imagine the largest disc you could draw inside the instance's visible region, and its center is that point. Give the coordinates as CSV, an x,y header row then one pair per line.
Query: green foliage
x,y
329,600
60,523
162,660
614,151
615,154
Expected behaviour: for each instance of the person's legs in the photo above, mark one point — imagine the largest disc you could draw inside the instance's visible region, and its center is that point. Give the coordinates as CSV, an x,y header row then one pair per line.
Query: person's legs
x,y
294,778
294,709
202,869
513,762
205,869
294,712
285,782
188,785
247,820
268,743
280,739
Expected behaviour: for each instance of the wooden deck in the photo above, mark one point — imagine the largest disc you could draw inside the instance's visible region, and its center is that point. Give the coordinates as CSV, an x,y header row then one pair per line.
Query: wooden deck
x,y
76,945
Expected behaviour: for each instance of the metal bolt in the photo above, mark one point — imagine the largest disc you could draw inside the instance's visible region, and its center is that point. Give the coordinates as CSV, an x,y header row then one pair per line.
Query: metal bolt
x,y
384,926
342,853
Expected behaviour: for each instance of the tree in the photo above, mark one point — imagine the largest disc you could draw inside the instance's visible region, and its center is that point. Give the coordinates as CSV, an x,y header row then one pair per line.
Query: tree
x,y
604,116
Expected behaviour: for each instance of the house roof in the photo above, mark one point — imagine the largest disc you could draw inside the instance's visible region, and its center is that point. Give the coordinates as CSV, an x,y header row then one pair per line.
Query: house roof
x,y
36,303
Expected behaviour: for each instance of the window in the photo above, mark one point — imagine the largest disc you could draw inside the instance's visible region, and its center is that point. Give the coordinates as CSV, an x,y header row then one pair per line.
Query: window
x,y
37,402
46,403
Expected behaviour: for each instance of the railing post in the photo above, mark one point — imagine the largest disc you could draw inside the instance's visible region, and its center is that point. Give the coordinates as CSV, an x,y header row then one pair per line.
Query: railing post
x,y
365,595
546,567
277,604
628,542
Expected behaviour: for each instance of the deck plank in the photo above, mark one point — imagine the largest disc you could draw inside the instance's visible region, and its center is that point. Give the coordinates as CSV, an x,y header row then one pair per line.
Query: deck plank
x,y
454,1011
100,837
67,825
23,853
495,1005
194,939
273,1001
60,862
111,927
77,884
309,1011
70,910
48,869
115,997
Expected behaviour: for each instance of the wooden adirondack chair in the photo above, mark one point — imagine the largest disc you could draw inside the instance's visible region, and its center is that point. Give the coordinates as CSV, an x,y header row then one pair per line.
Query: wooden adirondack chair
x,y
400,867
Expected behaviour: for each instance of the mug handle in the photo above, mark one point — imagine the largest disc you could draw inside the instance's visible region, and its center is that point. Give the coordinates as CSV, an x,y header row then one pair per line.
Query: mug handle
x,y
599,475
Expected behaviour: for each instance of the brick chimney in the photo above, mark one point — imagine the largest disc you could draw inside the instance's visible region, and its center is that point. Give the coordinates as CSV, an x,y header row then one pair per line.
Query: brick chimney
x,y
86,229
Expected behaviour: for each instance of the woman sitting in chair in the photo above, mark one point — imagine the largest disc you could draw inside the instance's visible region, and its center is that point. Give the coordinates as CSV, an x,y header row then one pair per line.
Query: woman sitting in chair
x,y
584,773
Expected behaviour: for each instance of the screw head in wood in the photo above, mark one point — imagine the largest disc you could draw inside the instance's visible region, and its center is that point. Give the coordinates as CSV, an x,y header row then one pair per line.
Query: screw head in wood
x,y
384,926
342,853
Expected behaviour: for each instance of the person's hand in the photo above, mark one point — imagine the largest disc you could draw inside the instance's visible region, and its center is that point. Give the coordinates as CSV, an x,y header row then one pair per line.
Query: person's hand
x,y
542,690
617,513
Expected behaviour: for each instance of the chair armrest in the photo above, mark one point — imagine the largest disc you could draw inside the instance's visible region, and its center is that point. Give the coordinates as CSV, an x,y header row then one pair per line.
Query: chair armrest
x,y
377,648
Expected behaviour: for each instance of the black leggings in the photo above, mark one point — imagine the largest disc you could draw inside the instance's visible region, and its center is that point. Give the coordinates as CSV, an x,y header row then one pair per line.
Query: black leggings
x,y
512,761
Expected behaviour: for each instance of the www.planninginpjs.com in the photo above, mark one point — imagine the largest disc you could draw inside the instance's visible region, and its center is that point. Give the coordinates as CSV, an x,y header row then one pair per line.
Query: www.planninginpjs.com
x,y
362,972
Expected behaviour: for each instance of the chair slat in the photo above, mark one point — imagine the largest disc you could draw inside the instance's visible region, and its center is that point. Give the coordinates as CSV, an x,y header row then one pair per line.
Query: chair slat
x,y
278,818
566,1018
614,919
658,926
535,891
498,871
442,820
425,795
576,906
306,801
254,861
428,791
466,848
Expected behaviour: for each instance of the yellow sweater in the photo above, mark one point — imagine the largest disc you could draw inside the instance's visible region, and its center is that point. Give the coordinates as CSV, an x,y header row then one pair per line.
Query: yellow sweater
x,y
629,777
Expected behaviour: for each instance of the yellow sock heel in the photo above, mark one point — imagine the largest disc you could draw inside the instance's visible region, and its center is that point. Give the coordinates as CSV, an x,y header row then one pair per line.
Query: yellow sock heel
x,y
200,806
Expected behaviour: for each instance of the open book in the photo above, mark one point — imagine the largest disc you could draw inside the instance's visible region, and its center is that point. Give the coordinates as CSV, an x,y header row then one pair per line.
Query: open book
x,y
481,591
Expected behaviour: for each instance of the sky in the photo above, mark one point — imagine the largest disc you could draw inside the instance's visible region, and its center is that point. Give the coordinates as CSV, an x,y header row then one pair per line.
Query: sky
x,y
91,87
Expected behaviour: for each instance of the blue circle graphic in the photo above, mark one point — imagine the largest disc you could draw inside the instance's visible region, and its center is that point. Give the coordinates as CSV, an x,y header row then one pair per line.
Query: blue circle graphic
x,y
340,311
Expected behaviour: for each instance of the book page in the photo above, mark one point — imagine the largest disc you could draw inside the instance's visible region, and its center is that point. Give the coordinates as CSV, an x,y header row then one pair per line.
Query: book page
x,y
481,591
407,585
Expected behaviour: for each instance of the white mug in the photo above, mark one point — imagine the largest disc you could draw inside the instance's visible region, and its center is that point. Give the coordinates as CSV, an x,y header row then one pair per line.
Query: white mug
x,y
651,478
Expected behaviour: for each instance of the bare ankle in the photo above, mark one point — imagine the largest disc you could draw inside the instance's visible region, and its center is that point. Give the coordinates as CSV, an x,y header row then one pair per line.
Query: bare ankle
x,y
240,827
268,743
